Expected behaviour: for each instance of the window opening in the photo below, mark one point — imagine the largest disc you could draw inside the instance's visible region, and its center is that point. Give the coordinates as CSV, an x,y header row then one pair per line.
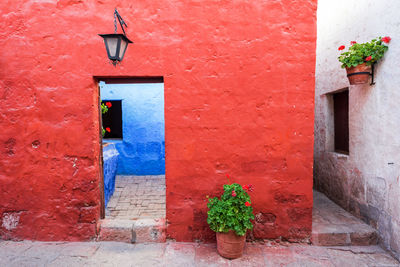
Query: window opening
x,y
112,119
341,121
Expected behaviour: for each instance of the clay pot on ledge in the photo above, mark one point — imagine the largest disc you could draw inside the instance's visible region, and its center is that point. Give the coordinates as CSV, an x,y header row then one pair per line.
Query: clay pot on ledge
x,y
230,245
358,74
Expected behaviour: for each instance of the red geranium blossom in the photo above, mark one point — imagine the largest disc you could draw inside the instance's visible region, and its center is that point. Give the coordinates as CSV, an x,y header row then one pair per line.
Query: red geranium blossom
x,y
341,47
108,104
233,193
108,129
250,186
368,58
353,42
386,39
247,204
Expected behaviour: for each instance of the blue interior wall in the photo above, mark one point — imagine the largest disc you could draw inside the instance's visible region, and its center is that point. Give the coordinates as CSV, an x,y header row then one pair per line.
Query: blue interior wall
x,y
142,149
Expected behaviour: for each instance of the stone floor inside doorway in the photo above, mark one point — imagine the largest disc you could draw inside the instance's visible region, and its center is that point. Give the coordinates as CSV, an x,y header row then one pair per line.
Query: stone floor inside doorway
x,y
136,211
137,197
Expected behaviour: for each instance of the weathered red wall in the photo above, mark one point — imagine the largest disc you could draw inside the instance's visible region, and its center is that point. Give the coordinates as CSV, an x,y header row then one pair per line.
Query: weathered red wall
x,y
239,85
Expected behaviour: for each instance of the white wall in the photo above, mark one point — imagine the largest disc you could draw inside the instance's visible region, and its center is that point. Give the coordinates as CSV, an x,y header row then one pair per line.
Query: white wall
x,y
366,182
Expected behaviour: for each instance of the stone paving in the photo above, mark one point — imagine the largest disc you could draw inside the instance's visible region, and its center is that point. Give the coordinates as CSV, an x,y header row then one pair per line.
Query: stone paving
x,y
137,197
333,226
28,253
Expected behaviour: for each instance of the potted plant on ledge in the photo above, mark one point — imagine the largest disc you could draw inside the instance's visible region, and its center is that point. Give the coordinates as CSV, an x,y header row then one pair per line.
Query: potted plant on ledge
x,y
360,57
230,218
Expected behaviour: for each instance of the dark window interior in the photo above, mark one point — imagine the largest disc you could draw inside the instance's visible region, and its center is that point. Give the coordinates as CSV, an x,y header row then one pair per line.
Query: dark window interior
x,y
341,117
113,120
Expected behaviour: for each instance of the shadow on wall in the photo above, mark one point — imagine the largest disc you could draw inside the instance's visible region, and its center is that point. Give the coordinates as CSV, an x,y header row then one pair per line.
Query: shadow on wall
x,y
142,148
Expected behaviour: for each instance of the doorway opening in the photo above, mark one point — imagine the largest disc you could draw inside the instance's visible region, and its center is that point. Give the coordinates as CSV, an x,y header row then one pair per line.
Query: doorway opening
x,y
133,148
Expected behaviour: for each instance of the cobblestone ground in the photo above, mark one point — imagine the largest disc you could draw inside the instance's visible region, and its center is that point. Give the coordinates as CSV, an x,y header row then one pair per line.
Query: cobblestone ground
x,y
137,197
185,254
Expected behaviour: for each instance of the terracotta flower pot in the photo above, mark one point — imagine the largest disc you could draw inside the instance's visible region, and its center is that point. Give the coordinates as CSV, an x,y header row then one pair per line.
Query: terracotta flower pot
x,y
358,74
230,245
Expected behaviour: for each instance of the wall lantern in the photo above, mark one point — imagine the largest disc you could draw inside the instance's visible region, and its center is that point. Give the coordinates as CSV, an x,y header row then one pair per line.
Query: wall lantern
x,y
116,43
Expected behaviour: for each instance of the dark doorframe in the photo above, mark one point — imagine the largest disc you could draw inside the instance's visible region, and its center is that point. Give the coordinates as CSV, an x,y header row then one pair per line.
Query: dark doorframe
x,y
101,182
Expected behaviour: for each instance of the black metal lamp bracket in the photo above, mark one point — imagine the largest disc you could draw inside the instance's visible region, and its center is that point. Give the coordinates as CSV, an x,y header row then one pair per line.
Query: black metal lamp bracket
x,y
366,72
120,20
372,74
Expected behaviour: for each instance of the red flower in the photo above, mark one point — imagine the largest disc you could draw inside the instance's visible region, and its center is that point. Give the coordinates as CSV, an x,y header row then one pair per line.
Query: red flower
x,y
250,186
233,193
108,129
341,47
368,58
247,204
108,104
353,42
386,39
245,187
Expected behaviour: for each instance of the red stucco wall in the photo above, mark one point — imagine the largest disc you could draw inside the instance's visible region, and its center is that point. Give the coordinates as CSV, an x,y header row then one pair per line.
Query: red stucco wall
x,y
239,85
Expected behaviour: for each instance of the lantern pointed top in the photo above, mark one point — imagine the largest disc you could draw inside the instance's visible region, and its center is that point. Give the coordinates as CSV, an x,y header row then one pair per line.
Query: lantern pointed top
x,y
120,20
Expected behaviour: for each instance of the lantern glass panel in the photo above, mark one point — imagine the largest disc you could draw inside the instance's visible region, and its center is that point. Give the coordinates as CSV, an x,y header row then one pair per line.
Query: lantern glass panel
x,y
112,45
122,48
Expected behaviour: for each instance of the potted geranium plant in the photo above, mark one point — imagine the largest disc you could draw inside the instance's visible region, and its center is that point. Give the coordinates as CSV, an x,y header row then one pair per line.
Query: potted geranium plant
x,y
359,58
230,218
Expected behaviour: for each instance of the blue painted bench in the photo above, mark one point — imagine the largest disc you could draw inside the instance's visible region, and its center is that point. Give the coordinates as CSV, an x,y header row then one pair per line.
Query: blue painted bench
x,y
110,164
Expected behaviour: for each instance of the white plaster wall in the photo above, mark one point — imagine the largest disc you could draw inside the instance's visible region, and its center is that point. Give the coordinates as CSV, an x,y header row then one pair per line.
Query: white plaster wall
x,y
366,182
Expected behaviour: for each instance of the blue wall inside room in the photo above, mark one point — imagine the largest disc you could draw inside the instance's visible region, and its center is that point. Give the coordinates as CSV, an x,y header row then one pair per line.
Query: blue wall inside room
x,y
142,149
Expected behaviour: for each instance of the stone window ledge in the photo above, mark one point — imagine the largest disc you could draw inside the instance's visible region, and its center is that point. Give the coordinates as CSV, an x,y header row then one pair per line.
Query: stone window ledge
x,y
338,155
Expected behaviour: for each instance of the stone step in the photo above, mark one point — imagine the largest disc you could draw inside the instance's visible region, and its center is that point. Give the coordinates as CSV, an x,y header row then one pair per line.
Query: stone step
x,y
133,231
333,226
